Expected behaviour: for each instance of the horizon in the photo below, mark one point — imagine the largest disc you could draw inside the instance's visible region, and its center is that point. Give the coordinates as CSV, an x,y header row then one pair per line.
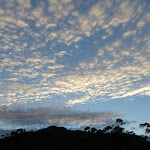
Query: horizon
x,y
70,63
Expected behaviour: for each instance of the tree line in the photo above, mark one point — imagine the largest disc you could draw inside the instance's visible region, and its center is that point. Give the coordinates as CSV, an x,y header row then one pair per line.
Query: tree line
x,y
53,137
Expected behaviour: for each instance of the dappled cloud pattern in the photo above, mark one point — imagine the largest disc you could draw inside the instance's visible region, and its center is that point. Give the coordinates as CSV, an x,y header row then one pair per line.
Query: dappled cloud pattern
x,y
44,57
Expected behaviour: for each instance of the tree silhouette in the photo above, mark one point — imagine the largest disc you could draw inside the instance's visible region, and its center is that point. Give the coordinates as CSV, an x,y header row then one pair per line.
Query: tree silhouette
x,y
120,121
130,133
100,131
2,135
144,125
147,125
93,130
17,132
147,131
58,138
12,133
117,130
87,128
106,129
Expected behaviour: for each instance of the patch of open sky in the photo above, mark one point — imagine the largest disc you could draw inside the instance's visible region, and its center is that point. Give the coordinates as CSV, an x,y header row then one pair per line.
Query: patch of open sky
x,y
131,109
84,5
88,50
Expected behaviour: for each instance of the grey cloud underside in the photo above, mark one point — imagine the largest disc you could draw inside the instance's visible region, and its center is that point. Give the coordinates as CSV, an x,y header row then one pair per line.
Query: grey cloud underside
x,y
53,115
43,57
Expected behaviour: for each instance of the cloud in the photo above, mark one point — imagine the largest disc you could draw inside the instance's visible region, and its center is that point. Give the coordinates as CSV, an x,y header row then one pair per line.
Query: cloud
x,y
13,93
60,54
24,3
11,63
21,23
57,115
33,60
79,24
128,33
16,86
147,93
60,8
55,67
81,100
9,3
134,92
46,45
140,24
50,25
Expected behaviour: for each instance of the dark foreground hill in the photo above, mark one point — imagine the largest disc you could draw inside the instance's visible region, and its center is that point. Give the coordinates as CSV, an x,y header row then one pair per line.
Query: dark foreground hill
x,y
53,138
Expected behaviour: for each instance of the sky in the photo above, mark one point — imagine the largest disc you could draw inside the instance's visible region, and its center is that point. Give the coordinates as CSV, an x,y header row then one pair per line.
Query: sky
x,y
74,63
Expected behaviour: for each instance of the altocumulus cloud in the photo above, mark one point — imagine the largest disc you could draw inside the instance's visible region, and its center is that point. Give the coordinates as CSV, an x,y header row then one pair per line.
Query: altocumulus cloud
x,y
43,50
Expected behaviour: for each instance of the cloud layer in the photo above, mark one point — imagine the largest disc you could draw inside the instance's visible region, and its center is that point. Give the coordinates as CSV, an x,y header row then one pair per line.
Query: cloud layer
x,y
69,52
48,115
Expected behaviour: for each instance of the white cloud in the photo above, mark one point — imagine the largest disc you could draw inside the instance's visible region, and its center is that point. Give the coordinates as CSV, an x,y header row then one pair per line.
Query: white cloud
x,y
34,60
134,92
2,11
24,3
82,100
21,23
113,67
47,75
148,16
50,25
140,24
104,37
53,35
10,62
77,39
9,3
60,54
100,52
128,33
17,86
147,93
12,79
55,66
60,8
38,12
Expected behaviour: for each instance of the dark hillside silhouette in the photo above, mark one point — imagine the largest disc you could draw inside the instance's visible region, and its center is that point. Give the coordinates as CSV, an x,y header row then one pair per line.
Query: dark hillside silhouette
x,y
60,138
